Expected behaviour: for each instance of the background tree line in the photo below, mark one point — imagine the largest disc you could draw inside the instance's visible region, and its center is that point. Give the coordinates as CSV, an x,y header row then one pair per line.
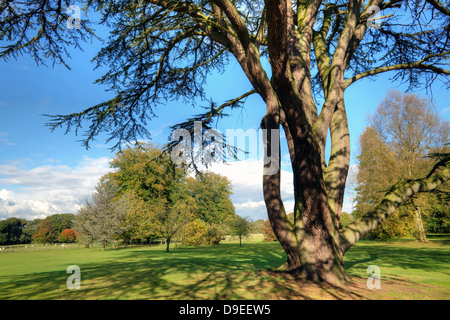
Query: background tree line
x,y
148,197
145,197
54,228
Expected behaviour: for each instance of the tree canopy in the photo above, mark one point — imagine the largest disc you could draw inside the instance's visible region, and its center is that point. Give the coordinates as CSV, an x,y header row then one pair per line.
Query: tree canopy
x,y
11,231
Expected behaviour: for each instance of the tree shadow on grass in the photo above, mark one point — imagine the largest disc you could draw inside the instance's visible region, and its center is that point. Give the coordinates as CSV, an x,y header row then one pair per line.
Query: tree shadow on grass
x,y
148,274
419,257
222,272
219,272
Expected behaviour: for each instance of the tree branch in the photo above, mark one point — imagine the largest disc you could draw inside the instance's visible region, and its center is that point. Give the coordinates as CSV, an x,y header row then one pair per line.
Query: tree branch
x,y
320,48
195,13
415,65
335,174
396,196
439,6
235,20
259,39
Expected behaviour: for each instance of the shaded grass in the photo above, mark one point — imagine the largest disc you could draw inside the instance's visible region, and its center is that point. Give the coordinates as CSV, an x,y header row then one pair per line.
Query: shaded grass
x,y
409,270
424,263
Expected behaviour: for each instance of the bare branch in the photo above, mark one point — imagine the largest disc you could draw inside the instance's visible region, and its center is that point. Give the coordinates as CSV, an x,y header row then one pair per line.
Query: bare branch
x,y
236,21
416,65
439,6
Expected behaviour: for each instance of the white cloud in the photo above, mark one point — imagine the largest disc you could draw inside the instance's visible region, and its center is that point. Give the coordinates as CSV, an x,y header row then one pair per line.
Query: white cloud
x,y
49,189
350,193
246,177
46,190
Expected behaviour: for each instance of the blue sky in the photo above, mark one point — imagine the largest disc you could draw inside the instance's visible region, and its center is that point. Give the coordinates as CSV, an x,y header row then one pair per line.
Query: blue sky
x,y
43,173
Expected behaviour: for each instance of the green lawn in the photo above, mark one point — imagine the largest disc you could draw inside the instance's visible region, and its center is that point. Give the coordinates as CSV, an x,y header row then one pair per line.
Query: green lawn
x,y
409,270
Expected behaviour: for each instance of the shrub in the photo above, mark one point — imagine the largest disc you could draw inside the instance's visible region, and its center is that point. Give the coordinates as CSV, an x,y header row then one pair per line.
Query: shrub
x,y
195,233
67,236
214,233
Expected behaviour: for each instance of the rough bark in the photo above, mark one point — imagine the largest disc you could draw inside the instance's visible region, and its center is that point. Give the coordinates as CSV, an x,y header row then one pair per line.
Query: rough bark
x,y
311,242
421,236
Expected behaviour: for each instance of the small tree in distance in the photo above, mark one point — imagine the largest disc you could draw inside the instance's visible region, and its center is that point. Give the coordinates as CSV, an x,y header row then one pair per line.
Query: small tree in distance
x,y
240,227
102,218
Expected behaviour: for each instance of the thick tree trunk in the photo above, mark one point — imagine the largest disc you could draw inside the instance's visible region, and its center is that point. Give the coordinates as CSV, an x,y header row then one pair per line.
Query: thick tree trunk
x,y
421,234
311,242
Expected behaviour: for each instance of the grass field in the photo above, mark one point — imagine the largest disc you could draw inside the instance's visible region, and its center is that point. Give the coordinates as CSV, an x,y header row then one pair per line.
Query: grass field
x,y
409,270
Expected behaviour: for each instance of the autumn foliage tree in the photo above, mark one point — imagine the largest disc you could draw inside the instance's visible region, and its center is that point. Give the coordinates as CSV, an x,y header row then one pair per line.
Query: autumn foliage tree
x,y
67,236
240,227
267,231
404,131
299,57
194,233
45,233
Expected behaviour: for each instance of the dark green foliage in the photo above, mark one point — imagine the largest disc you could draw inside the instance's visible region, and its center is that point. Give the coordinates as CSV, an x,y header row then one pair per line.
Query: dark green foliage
x,y
30,229
61,221
12,231
438,218
39,29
